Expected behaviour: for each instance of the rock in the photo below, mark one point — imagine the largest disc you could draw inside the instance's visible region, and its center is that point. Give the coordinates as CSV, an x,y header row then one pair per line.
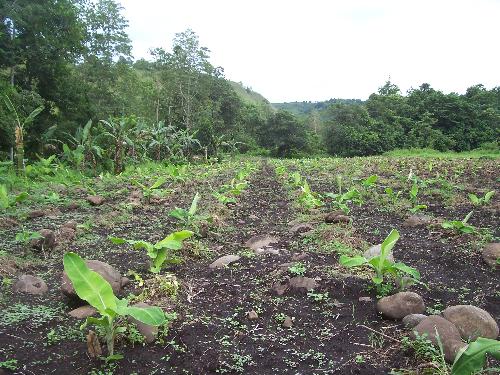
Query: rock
x,y
31,285
491,254
472,322
83,312
374,251
418,220
224,261
36,213
337,217
301,256
260,241
252,315
301,282
73,206
412,320
8,222
66,235
95,200
300,229
279,288
93,345
110,274
447,331
266,250
52,214
149,332
365,299
288,322
401,304
71,224
47,242
125,281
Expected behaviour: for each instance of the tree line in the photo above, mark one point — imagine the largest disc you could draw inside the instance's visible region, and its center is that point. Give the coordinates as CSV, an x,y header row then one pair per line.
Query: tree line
x,y
70,87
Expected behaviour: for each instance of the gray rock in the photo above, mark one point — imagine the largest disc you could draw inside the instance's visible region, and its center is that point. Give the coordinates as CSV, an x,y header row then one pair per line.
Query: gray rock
x,y
418,220
252,315
47,242
472,322
301,228
31,285
279,288
66,235
365,299
401,304
36,213
224,261
301,282
337,217
110,274
83,312
447,331
95,200
491,254
288,322
412,320
260,241
374,251
71,224
266,250
301,256
149,332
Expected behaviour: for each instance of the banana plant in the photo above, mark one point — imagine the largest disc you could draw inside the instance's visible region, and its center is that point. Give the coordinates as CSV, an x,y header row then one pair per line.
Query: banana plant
x,y
147,191
7,201
189,218
477,201
93,288
473,358
381,264
307,198
460,226
19,130
161,251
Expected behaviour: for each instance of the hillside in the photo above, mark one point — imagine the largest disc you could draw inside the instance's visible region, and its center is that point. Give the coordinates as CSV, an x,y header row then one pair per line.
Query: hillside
x,y
248,95
304,108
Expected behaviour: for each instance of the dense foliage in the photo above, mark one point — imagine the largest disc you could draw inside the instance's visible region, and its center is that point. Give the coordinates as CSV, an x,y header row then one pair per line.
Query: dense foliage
x,y
102,109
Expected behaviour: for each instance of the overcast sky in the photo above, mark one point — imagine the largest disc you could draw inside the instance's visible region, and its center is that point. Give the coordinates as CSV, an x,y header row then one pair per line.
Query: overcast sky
x,y
291,50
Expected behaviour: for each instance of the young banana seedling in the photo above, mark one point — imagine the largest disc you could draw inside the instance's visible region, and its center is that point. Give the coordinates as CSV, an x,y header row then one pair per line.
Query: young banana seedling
x,y
189,218
147,191
93,288
460,226
160,252
477,201
381,264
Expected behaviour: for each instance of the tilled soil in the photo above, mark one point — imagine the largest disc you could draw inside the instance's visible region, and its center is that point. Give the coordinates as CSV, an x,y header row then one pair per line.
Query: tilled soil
x,y
333,331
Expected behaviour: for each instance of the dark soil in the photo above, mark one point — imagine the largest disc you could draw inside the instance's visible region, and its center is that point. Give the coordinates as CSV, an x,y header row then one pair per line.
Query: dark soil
x,y
212,335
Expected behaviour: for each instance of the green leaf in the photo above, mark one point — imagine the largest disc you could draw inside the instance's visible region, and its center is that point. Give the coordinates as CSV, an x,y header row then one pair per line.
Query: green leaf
x,y
466,219
153,316
407,269
21,197
474,199
488,195
89,285
377,280
473,358
352,261
158,183
179,213
174,240
4,197
101,322
194,204
117,240
389,243
33,114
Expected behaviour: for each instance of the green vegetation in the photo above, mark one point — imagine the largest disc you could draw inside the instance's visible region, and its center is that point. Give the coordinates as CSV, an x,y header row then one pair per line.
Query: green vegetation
x,y
382,266
472,360
161,251
93,288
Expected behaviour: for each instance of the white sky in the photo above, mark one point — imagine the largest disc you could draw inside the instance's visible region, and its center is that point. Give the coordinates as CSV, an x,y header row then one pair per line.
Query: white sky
x,y
290,50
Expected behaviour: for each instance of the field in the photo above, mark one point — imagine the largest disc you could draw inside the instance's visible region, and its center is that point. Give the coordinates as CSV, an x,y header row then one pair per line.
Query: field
x,y
247,316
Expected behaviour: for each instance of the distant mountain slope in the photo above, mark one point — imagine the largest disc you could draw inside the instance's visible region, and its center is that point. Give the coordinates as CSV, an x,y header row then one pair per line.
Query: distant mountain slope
x,y
304,108
248,95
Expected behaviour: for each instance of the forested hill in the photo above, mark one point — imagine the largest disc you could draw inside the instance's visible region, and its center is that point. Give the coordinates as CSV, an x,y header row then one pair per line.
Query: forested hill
x,y
305,107
247,95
